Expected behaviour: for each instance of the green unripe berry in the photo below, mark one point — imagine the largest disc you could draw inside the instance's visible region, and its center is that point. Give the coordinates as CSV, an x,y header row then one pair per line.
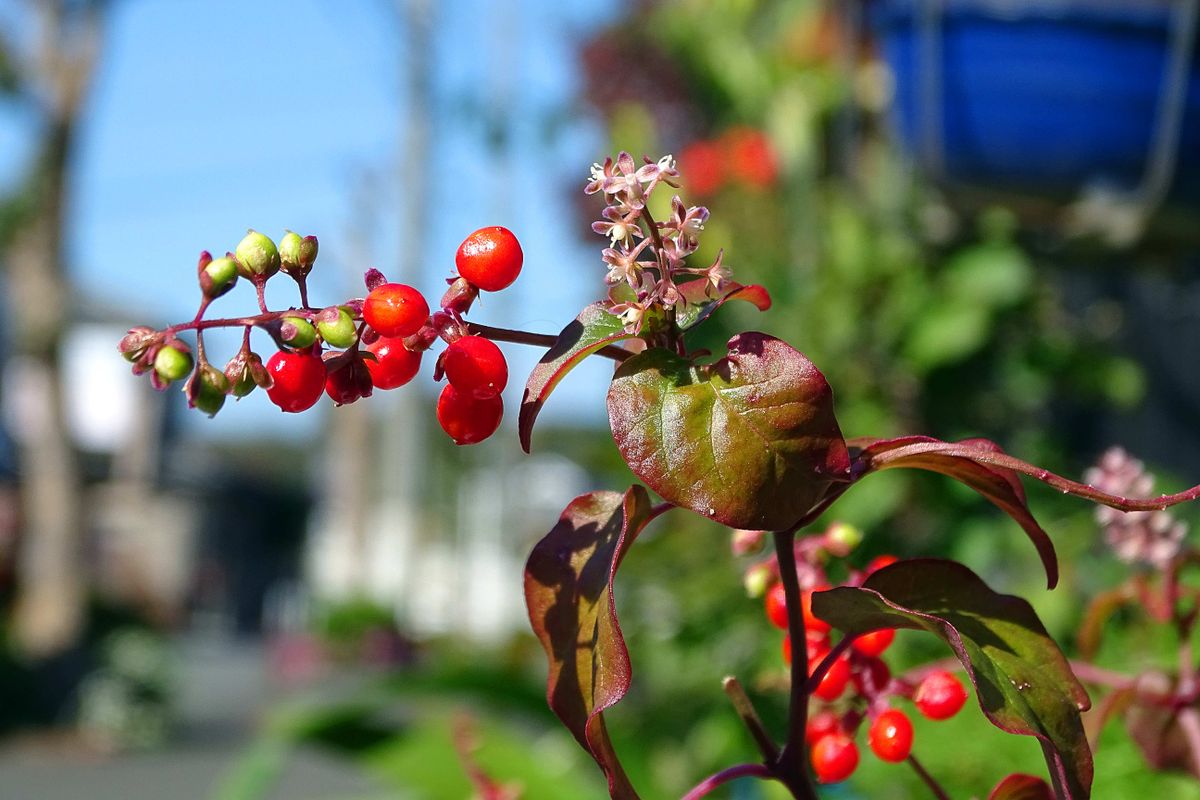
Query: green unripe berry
x,y
257,256
337,331
289,250
299,332
172,364
208,393
219,276
297,254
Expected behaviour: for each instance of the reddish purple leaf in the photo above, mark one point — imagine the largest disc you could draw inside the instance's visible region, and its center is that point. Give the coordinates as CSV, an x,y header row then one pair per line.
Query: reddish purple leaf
x,y
698,306
569,593
592,330
965,462
749,441
1022,787
1022,680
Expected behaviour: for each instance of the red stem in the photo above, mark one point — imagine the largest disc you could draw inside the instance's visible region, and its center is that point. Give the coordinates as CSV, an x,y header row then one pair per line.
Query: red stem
x,y
1047,477
790,767
929,780
814,680
725,776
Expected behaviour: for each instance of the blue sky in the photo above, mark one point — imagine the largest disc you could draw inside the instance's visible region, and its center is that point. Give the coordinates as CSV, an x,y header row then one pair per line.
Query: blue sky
x,y
211,116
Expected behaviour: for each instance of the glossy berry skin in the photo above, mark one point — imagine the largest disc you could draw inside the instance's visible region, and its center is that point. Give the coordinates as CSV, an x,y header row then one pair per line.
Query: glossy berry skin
x,y
940,696
891,735
874,643
834,758
395,310
467,419
395,364
835,680
820,725
299,380
490,258
776,603
475,366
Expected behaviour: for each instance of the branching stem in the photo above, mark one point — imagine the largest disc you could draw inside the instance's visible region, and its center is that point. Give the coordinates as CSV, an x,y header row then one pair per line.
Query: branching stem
x,y
928,779
745,710
789,767
730,774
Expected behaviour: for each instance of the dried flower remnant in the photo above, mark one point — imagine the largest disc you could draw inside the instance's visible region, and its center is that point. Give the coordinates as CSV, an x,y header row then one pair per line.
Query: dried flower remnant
x,y
1150,537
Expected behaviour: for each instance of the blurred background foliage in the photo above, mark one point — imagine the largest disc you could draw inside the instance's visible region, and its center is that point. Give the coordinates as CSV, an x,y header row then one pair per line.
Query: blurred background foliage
x,y
926,315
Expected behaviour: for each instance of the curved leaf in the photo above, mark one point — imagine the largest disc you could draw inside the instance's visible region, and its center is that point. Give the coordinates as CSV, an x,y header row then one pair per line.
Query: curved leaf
x,y
999,485
750,440
569,593
1019,786
1022,680
592,330
698,306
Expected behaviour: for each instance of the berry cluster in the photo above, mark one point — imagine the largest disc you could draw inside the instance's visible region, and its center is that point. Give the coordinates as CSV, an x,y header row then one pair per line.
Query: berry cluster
x,y
345,351
850,679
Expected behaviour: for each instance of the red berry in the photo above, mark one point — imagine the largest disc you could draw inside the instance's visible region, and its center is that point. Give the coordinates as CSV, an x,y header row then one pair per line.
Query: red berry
x,y
395,310
940,695
820,725
490,258
475,366
834,758
777,606
879,562
834,682
816,645
395,364
811,622
299,379
891,735
874,643
467,419
871,677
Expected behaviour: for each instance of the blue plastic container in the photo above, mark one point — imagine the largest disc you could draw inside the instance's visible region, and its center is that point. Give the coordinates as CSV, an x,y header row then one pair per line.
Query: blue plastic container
x,y
1050,97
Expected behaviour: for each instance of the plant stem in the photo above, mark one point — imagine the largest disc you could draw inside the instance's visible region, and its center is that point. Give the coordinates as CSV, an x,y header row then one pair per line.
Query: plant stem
x,y
745,710
814,680
789,767
617,354
1005,461
929,780
1090,673
724,776
613,352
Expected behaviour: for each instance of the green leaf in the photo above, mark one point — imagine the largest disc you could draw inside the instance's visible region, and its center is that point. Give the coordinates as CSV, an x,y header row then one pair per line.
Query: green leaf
x,y
1021,787
749,441
592,330
569,593
1022,680
699,306
999,485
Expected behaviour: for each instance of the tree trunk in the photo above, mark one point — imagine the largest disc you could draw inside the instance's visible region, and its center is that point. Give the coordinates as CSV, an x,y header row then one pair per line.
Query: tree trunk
x,y
48,613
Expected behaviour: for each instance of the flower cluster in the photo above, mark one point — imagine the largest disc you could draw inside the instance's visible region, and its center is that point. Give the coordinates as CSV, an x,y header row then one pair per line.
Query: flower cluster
x,y
1151,537
647,259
